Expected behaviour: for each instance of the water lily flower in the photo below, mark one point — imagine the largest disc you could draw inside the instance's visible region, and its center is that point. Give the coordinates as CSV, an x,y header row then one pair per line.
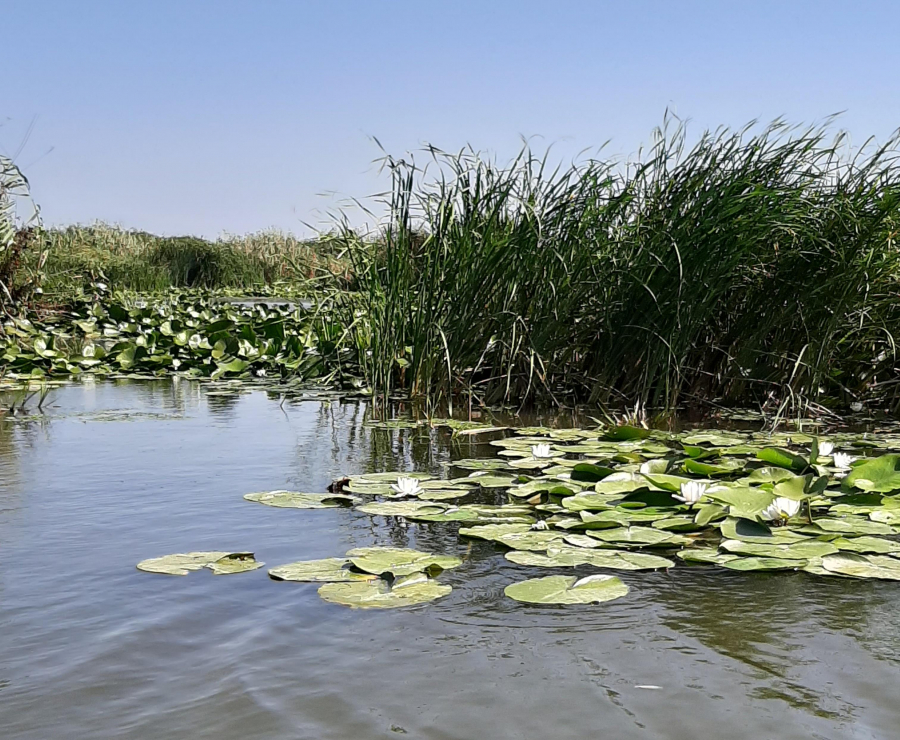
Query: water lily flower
x,y
541,450
856,406
406,486
261,373
825,449
691,492
781,509
540,526
842,460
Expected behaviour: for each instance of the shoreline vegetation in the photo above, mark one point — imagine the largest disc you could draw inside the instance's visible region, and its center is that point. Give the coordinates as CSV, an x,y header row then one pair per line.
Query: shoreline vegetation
x,y
754,268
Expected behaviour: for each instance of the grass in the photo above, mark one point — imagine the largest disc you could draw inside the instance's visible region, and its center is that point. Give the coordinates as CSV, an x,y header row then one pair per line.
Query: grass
x,y
137,261
754,267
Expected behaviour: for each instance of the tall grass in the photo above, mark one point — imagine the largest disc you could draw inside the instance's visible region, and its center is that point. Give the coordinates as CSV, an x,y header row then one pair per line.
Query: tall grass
x,y
21,255
134,260
754,266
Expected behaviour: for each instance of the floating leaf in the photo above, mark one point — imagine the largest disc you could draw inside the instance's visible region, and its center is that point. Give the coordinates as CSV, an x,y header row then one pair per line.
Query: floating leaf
x,y
754,563
328,569
567,590
863,566
416,588
571,556
493,531
639,537
294,500
402,508
705,555
867,545
880,474
802,550
399,561
220,563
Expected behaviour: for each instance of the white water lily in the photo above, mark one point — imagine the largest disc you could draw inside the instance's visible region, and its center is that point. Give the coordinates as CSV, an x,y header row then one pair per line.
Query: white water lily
x,y
406,486
825,449
540,526
781,509
842,460
856,406
691,492
540,450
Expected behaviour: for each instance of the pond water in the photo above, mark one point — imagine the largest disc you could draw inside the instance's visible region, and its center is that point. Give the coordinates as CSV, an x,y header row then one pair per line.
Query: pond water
x,y
92,648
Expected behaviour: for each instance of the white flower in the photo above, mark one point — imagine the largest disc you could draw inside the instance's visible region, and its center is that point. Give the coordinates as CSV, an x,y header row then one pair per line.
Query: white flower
x,y
406,486
540,526
261,373
691,492
781,508
825,449
842,460
856,406
541,450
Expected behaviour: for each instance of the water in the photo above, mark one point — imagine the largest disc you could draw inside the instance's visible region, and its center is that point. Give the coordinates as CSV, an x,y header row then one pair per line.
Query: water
x,y
92,648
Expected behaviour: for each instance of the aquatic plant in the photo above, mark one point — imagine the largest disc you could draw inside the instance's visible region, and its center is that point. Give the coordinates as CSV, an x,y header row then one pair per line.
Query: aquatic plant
x,y
757,266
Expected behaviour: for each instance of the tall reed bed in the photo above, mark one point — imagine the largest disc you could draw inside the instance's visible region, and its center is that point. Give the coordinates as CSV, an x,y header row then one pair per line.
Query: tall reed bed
x,y
754,266
134,260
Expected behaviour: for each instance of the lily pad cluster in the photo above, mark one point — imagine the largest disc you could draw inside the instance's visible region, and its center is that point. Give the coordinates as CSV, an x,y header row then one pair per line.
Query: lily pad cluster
x,y
190,332
626,498
374,577
622,499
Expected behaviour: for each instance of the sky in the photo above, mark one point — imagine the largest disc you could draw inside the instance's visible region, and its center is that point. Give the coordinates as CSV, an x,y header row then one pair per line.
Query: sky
x,y
212,117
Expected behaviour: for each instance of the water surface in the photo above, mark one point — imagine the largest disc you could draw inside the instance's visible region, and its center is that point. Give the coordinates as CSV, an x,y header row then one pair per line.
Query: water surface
x,y
92,648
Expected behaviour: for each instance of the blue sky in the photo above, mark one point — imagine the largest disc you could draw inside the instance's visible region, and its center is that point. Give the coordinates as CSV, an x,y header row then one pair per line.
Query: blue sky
x,y
203,117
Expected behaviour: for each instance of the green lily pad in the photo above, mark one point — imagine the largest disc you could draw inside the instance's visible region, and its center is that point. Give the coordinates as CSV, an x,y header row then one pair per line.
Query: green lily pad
x,y
332,570
863,566
803,550
572,556
220,563
880,474
294,500
875,545
402,508
567,590
530,540
639,537
493,531
413,589
399,561
756,563
705,555
847,525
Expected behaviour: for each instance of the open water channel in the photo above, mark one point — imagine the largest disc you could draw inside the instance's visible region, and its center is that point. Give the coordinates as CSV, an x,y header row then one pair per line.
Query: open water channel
x,y
90,647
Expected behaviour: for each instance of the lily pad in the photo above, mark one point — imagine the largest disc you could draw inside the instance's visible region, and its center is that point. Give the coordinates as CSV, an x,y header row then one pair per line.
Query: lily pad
x,y
572,556
705,555
220,563
332,570
880,474
402,508
567,590
863,566
294,500
416,588
756,563
399,561
639,537
875,545
803,550
493,531
530,540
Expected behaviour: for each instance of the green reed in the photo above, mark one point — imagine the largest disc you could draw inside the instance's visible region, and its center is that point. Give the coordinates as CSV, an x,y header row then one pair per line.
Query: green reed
x,y
754,266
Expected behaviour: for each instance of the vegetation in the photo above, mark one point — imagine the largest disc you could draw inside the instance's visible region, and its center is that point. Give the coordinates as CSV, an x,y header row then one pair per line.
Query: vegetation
x,y
80,256
755,267
613,498
18,242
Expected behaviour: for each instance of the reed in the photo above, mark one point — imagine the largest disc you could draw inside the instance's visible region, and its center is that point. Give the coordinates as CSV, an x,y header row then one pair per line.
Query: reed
x,y
754,266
